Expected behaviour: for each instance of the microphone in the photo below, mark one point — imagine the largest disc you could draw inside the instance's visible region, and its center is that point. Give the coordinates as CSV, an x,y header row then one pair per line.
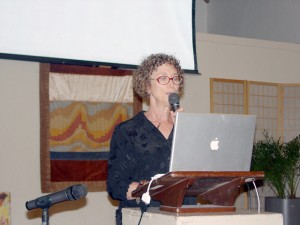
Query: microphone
x,y
71,193
174,101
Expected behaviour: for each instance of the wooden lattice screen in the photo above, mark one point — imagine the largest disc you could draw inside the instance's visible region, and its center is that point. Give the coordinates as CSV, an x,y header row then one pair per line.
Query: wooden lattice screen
x,y
277,106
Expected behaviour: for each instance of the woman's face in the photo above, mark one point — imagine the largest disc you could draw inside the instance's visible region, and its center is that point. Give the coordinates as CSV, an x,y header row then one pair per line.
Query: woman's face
x,y
159,91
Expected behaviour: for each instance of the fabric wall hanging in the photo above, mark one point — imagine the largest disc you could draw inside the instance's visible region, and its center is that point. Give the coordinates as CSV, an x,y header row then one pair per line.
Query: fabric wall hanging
x,y
80,106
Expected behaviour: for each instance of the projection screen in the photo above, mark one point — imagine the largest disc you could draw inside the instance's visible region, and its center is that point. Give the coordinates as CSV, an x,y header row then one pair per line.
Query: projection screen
x,y
118,33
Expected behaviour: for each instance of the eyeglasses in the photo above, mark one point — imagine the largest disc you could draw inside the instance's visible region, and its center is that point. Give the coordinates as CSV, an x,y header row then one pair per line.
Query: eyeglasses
x,y
164,80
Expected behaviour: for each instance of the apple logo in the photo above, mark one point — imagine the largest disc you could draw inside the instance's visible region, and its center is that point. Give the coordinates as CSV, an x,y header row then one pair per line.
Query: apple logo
x,y
214,145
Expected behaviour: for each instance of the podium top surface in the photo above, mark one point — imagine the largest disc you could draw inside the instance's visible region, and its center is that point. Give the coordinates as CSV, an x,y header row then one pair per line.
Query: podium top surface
x,y
216,188
201,181
257,174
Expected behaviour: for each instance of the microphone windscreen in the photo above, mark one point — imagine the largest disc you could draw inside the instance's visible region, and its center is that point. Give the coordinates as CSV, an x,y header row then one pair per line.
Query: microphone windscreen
x,y
173,98
77,191
174,101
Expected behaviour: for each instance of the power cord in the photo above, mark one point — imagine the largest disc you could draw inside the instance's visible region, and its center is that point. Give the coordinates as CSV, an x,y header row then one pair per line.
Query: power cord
x,y
146,198
257,195
141,218
143,208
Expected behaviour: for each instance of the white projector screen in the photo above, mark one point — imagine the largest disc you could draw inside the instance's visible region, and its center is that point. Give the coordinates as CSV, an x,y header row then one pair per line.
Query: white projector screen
x,y
118,33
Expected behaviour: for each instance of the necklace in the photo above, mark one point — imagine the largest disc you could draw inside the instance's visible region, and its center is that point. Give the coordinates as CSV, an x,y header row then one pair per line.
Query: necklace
x,y
153,121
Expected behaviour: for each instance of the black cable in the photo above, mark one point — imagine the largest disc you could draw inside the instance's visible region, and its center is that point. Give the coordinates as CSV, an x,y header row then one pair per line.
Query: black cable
x,y
249,196
141,218
143,208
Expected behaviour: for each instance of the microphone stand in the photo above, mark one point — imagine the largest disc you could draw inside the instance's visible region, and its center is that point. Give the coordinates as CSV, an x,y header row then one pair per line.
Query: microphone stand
x,y
45,202
45,216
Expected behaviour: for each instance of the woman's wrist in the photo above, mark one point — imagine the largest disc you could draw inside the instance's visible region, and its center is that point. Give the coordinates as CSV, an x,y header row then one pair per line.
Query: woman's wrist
x,y
141,183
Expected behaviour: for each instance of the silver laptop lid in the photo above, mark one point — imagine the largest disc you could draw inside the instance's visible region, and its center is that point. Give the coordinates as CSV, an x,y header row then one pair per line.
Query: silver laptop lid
x,y
212,142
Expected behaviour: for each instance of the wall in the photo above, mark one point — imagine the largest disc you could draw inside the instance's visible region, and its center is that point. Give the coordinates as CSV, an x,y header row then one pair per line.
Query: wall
x,y
274,20
19,153
218,56
242,59
200,16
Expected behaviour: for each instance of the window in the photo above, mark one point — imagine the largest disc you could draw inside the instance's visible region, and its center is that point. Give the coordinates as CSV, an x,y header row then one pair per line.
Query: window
x,y
277,106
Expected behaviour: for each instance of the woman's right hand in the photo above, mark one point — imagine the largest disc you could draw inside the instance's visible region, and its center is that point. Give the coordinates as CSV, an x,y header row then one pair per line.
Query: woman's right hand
x,y
131,188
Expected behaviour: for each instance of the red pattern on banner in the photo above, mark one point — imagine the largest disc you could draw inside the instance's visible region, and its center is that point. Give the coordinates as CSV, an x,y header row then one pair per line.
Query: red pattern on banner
x,y
78,170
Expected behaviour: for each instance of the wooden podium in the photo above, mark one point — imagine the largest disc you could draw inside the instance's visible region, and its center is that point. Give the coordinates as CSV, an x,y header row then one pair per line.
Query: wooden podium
x,y
218,190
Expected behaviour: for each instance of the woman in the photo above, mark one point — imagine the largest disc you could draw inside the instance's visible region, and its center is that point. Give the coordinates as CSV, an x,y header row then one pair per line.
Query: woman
x,y
141,147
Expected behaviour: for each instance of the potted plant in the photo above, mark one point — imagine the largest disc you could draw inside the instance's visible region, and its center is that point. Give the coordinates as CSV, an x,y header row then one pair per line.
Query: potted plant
x,y
281,163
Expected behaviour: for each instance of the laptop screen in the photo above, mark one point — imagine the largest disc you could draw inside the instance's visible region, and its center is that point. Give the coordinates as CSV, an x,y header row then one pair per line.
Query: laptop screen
x,y
212,142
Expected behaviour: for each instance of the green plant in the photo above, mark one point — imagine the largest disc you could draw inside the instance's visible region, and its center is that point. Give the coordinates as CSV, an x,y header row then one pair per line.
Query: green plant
x,y
281,163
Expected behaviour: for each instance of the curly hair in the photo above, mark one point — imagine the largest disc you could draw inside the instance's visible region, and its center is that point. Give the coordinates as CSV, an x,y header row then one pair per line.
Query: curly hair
x,y
141,78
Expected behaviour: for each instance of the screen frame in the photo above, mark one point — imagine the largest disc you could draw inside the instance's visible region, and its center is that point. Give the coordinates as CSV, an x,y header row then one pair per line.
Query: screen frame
x,y
82,62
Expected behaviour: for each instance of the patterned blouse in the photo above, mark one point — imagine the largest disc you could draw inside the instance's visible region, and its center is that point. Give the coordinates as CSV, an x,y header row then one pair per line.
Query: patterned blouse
x,y
138,151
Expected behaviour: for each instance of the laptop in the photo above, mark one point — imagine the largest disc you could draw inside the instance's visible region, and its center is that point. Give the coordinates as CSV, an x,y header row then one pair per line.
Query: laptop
x,y
212,142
